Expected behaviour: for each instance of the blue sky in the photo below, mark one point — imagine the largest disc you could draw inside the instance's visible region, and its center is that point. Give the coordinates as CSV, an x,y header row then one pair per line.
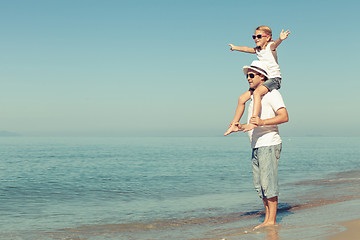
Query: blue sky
x,y
163,68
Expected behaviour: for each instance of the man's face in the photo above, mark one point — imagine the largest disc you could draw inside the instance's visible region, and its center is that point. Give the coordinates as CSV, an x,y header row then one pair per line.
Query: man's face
x,y
254,79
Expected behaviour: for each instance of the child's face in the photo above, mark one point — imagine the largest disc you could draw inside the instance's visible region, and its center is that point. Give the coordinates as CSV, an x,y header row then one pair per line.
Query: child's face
x,y
261,42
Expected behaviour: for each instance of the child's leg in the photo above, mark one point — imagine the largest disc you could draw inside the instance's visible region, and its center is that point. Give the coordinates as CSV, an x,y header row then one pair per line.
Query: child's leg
x,y
239,112
259,91
241,105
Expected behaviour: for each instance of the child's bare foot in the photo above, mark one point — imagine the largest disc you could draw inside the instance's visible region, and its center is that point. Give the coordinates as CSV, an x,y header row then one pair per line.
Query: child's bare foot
x,y
234,127
249,127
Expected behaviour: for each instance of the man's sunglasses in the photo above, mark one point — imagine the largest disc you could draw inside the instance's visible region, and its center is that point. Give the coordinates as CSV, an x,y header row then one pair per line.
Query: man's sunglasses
x,y
251,75
258,36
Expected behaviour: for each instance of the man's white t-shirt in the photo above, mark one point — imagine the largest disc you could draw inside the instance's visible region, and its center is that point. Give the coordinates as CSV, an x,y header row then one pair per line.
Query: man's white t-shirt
x,y
266,135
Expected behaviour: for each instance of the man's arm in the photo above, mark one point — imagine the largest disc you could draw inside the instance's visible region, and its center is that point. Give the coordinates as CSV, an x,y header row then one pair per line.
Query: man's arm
x,y
242,49
283,36
281,117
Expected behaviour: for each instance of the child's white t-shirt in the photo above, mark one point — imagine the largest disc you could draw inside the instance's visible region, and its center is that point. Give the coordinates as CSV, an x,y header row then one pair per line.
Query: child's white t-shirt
x,y
270,59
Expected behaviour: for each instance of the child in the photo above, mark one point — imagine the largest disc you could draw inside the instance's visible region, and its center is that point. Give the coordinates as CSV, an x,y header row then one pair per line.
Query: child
x,y
266,52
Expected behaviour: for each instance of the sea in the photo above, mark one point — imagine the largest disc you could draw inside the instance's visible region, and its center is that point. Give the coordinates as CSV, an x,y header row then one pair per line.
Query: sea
x,y
155,187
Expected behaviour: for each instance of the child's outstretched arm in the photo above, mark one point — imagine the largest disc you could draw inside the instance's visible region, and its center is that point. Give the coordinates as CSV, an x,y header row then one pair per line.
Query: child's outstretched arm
x,y
242,49
283,36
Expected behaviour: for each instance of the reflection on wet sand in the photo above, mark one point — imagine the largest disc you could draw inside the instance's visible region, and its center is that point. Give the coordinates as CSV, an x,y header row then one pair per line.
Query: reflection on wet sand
x,y
272,233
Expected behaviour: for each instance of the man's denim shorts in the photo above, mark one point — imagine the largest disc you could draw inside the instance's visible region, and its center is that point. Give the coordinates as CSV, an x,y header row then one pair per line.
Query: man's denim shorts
x,y
272,83
265,170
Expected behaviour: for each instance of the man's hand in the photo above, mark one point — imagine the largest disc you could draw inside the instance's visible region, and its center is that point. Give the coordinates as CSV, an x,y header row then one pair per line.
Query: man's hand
x,y
256,121
248,127
284,35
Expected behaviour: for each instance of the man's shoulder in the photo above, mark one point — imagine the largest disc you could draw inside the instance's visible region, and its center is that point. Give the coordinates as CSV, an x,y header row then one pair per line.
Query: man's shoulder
x,y
273,93
274,98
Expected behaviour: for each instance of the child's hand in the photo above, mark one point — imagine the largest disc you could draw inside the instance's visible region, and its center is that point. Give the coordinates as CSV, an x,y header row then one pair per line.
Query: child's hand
x,y
231,47
284,35
256,121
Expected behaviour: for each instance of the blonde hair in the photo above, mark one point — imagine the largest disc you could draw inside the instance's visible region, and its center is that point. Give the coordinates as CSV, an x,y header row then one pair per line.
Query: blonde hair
x,y
266,30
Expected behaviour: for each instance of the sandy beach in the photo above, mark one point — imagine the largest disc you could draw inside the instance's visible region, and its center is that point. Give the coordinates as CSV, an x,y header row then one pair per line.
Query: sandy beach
x,y
351,232
330,215
314,223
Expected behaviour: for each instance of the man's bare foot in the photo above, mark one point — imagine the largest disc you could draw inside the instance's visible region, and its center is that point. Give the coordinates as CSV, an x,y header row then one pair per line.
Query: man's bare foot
x,y
234,127
258,226
264,224
249,127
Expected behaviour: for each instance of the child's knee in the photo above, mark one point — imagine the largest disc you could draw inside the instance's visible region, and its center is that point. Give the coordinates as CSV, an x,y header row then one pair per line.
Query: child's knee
x,y
245,97
260,91
242,100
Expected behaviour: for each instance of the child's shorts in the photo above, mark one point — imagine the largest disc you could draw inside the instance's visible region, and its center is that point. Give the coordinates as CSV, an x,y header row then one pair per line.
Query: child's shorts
x,y
272,83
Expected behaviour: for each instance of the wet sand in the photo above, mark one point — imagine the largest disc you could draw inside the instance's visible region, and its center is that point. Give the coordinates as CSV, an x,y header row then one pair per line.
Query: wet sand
x,y
329,211
351,232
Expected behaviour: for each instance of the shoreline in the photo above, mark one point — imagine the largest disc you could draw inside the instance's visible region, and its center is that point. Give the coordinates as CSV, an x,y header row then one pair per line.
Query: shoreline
x,y
314,215
328,220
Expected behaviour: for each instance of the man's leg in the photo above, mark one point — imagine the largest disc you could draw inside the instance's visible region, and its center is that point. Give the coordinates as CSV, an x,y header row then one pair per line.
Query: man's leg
x,y
267,213
257,184
256,173
270,206
268,158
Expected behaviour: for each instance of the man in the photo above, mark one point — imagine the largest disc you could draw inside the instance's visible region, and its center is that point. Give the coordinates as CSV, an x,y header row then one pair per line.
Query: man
x,y
265,141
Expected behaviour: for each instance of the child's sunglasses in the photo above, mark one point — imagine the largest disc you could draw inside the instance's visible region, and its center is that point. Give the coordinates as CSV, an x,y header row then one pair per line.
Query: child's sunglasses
x,y
258,36
251,75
